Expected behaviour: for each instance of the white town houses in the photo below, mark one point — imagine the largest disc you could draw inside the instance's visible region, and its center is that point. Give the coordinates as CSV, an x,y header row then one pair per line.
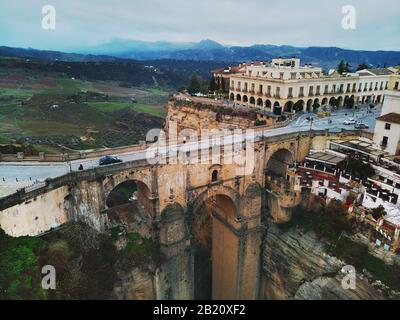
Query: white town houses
x,y
283,85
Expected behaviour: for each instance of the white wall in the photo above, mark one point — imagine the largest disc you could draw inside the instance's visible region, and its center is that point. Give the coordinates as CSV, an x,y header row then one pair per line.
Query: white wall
x,y
391,103
393,136
40,215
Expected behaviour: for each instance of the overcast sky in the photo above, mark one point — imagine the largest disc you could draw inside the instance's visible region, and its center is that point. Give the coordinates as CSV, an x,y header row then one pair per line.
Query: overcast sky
x,y
80,23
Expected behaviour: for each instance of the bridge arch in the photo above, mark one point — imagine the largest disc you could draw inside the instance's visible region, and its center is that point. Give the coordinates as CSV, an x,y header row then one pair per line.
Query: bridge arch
x,y
214,243
130,190
278,163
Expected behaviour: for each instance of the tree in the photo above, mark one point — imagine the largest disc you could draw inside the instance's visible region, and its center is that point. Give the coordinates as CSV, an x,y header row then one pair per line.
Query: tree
x,y
343,67
378,212
357,168
195,84
213,85
362,66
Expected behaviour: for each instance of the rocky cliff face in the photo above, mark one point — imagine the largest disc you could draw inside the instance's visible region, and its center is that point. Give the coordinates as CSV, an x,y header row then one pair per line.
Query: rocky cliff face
x,y
296,266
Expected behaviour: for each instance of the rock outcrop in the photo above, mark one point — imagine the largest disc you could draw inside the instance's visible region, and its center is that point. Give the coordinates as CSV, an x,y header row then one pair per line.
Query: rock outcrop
x,y
296,265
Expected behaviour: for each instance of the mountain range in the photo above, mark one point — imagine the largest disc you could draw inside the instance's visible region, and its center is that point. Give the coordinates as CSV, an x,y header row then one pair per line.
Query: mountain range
x,y
209,50
326,57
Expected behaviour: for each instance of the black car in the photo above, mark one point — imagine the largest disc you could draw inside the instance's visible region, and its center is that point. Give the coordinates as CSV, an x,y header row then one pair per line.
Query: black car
x,y
109,160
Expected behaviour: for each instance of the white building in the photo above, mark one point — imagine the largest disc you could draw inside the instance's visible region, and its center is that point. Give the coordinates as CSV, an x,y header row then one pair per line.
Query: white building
x,y
387,132
387,128
285,85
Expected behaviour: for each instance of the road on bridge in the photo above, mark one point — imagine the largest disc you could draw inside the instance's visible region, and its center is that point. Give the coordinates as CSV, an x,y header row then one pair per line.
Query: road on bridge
x,y
14,176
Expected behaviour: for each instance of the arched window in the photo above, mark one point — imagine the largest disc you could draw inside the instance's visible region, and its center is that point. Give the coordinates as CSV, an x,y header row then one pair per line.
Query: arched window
x,y
214,176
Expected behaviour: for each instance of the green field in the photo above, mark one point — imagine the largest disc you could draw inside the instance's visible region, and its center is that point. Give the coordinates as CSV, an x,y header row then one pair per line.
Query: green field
x,y
48,111
158,111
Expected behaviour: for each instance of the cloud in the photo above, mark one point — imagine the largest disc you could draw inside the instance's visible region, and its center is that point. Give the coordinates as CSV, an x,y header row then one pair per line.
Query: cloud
x,y
307,23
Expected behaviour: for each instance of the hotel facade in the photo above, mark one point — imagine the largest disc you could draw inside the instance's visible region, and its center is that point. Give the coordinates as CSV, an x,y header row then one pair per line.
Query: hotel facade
x,y
283,85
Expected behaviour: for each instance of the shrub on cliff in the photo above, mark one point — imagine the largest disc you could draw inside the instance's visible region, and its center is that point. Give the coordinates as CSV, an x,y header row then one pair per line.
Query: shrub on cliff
x,y
326,221
20,271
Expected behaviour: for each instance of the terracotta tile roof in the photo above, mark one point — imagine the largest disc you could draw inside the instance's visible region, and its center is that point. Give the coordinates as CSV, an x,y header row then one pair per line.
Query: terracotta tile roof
x,y
381,71
392,117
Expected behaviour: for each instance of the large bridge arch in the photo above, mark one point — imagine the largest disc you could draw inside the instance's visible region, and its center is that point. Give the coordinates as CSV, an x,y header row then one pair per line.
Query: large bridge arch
x,y
278,162
215,244
133,192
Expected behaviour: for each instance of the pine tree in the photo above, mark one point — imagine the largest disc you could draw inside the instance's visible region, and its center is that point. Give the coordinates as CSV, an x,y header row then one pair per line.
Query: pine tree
x,y
195,85
362,66
343,67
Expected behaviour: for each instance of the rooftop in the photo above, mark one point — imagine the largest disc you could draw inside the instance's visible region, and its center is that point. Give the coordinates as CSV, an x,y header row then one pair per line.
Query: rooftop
x,y
360,145
325,157
392,117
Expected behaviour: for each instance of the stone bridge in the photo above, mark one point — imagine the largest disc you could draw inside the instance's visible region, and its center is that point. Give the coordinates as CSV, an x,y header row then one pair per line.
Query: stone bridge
x,y
198,213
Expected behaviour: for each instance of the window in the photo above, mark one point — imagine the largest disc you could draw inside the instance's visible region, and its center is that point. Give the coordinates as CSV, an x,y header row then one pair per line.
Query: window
x,y
290,94
384,141
387,126
396,86
301,91
214,176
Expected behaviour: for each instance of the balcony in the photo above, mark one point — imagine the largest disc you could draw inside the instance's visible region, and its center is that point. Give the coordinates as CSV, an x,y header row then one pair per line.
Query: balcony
x,y
259,93
290,96
268,94
231,88
301,95
277,96
252,91
244,91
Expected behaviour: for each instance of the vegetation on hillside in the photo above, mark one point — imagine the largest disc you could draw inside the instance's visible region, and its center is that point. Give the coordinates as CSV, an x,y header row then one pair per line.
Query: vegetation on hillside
x,y
326,221
87,263
357,167
332,224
